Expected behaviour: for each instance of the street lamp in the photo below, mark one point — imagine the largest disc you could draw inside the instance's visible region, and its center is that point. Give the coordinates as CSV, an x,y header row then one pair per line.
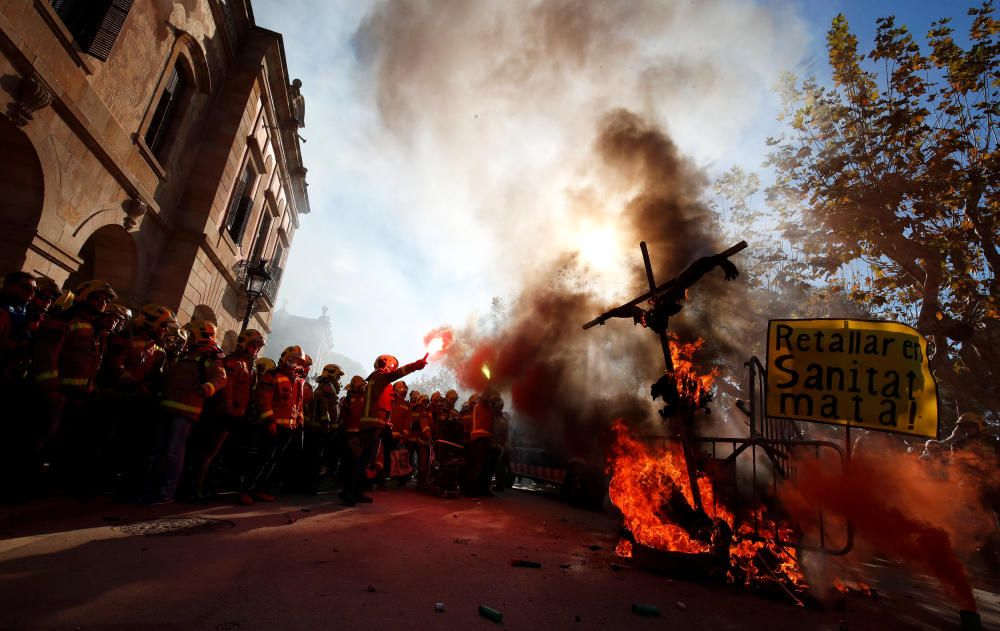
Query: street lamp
x,y
257,277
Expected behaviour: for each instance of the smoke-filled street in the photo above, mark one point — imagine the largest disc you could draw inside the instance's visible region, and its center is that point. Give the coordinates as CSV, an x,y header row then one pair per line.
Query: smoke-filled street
x,y
309,563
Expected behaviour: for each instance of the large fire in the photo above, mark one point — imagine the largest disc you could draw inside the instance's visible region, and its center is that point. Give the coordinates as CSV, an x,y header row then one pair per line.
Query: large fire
x,y
652,489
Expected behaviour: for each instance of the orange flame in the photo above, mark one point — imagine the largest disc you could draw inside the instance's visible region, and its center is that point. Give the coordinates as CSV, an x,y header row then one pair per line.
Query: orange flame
x,y
624,549
691,386
644,484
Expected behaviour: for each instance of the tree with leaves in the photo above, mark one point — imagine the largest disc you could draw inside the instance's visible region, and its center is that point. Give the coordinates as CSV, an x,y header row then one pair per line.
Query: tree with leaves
x,y
895,165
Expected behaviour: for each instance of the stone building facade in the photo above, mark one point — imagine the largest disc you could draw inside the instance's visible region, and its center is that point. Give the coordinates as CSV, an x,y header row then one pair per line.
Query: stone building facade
x,y
150,143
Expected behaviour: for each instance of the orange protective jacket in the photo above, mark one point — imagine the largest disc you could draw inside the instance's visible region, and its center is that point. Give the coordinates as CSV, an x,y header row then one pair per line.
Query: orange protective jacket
x,y
133,358
379,395
192,379
234,399
425,418
400,417
482,422
306,398
67,353
466,416
351,409
278,398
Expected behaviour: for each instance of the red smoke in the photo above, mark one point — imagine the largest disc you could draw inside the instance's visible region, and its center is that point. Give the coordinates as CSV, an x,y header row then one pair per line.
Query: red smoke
x,y
901,506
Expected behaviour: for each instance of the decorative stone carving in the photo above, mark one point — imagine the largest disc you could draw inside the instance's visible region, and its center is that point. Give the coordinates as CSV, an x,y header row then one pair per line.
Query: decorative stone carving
x,y
32,95
298,103
134,210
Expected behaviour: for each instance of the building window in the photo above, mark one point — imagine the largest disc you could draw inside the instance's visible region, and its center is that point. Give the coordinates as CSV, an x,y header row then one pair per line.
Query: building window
x,y
261,241
94,24
240,206
165,115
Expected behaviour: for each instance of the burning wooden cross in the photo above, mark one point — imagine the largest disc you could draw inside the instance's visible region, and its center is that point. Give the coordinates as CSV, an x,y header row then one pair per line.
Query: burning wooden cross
x,y
666,302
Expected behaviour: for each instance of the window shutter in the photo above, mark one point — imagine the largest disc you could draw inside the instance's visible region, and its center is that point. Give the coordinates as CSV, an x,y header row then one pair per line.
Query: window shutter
x,y
237,200
107,33
165,110
241,219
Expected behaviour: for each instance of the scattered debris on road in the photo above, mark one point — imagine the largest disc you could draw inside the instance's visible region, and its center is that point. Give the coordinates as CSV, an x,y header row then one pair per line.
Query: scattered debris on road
x,y
491,613
645,610
524,563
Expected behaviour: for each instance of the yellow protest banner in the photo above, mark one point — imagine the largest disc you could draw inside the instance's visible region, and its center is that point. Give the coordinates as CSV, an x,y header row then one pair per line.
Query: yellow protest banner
x,y
873,375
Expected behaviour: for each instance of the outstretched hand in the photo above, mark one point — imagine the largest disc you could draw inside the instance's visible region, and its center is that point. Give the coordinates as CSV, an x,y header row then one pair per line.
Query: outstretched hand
x,y
728,268
422,362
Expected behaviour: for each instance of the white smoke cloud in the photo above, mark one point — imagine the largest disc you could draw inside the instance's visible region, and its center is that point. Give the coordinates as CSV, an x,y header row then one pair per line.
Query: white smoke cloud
x,y
450,143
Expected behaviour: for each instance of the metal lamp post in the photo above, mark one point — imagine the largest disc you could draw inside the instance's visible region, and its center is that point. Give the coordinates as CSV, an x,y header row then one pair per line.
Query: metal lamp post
x,y
257,277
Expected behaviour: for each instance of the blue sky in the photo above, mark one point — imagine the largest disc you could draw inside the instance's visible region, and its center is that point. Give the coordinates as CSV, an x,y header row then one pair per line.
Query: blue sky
x,y
456,189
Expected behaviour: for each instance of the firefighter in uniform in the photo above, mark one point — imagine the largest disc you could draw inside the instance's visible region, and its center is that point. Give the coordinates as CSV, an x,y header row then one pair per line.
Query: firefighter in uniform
x,y
65,361
465,416
375,418
228,409
278,398
424,434
480,459
136,358
187,383
399,419
352,408
322,428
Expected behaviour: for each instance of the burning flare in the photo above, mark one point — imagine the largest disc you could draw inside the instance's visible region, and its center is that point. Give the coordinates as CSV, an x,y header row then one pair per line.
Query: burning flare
x,y
486,371
436,345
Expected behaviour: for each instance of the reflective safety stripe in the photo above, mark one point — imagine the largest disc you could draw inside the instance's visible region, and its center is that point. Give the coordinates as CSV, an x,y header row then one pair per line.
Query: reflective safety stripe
x,y
68,381
481,433
44,376
211,387
281,378
181,406
266,415
285,421
78,326
370,421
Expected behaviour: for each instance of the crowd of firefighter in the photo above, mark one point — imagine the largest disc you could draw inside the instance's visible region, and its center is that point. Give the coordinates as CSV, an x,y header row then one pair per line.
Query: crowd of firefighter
x,y
137,405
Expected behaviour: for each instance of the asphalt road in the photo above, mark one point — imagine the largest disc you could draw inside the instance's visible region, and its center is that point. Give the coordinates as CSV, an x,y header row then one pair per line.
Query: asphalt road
x,y
310,563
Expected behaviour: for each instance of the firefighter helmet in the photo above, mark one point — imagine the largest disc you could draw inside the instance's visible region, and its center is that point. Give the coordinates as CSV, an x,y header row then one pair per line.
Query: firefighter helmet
x,y
451,396
331,372
64,301
437,397
400,389
202,334
92,288
423,401
152,317
264,364
414,395
357,384
386,363
473,400
248,337
119,310
47,287
291,357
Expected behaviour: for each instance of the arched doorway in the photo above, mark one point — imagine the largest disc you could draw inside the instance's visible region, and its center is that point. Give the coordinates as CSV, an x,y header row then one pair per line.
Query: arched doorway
x,y
22,193
109,254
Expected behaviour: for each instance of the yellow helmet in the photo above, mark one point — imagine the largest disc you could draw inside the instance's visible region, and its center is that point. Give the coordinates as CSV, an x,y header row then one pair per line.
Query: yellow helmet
x,y
331,372
357,384
291,356
153,317
92,287
202,334
400,389
248,337
264,364
64,301
307,360
386,363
